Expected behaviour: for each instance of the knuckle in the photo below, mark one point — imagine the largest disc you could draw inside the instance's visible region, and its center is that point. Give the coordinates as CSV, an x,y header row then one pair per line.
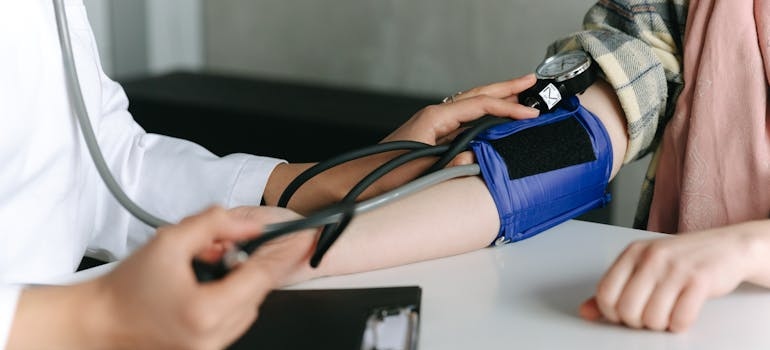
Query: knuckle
x,y
628,314
698,280
680,268
430,110
164,237
605,300
197,321
486,99
679,324
217,212
604,296
214,211
688,271
654,255
636,246
608,289
474,91
653,321
624,312
631,250
629,318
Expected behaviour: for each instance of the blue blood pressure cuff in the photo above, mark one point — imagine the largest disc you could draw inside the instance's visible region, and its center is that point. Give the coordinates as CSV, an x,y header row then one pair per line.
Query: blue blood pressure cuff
x,y
544,171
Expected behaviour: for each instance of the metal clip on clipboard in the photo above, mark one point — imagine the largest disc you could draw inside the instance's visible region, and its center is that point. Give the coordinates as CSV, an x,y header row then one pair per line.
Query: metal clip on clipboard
x,y
394,328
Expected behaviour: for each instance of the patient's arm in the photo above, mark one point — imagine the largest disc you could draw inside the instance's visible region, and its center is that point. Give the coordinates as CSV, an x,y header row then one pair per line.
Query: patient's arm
x,y
450,218
435,124
601,99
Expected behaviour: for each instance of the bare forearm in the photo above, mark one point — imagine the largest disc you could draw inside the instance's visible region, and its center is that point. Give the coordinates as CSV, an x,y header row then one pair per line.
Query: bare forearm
x,y
453,217
330,186
57,317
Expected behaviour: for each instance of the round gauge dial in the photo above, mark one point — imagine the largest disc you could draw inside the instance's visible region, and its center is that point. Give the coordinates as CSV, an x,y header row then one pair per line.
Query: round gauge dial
x,y
563,66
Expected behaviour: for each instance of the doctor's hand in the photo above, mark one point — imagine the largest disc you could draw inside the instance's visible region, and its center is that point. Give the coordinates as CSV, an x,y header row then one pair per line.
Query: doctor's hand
x,y
662,284
153,299
158,302
287,257
440,123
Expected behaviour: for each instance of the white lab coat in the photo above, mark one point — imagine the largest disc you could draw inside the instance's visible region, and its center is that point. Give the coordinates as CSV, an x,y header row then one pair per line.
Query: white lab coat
x,y
54,206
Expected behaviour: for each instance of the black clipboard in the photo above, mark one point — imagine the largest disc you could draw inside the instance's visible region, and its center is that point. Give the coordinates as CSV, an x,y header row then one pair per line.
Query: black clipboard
x,y
332,318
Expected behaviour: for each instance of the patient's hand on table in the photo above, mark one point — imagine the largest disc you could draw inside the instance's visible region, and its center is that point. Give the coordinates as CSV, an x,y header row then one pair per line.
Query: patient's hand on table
x,y
662,284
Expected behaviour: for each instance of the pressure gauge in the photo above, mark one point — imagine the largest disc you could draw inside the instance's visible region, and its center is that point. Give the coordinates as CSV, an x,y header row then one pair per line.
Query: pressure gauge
x,y
559,77
563,66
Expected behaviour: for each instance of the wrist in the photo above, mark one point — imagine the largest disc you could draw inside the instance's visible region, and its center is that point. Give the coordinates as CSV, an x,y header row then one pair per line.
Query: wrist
x,y
103,321
333,185
757,235
96,324
393,179
68,317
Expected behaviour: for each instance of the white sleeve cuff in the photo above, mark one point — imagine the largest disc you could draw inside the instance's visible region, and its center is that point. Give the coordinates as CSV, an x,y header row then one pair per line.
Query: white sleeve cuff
x,y
9,297
252,179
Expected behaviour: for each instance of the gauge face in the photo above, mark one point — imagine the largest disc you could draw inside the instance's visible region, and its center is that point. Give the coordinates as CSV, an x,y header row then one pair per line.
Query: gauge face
x,y
562,64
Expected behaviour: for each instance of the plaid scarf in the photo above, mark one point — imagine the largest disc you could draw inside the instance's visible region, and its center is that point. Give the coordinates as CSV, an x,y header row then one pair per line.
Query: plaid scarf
x,y
639,46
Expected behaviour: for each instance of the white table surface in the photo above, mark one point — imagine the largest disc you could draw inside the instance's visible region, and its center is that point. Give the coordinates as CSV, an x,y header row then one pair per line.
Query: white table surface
x,y
526,295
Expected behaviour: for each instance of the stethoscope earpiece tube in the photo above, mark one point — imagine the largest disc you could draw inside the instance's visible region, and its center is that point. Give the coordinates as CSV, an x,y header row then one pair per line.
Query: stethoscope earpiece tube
x,y
78,106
